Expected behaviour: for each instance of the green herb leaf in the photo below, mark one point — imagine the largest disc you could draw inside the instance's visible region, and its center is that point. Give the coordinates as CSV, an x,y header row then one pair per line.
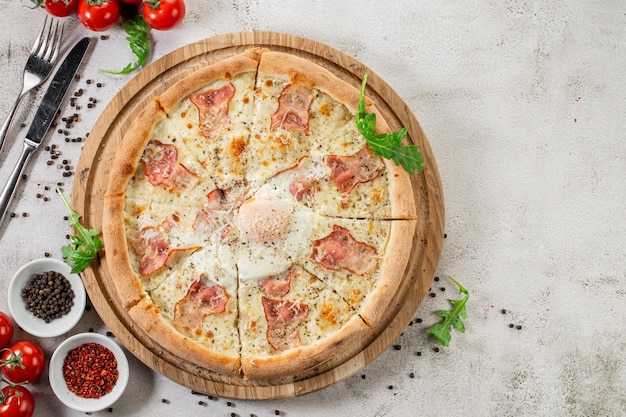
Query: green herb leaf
x,y
387,145
137,31
442,331
84,246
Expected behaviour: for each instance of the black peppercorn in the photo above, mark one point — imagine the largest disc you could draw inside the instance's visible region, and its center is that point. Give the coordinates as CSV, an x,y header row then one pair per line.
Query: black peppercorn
x,y
48,295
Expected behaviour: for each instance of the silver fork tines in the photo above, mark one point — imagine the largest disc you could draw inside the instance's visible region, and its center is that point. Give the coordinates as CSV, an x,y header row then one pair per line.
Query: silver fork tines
x,y
38,67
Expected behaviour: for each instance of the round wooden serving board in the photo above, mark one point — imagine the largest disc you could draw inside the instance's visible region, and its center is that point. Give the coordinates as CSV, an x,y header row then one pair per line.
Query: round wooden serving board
x,y
93,174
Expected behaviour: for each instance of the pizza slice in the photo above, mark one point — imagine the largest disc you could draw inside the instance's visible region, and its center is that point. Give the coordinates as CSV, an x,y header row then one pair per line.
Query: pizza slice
x,y
196,306
289,323
210,113
304,129
364,261
281,131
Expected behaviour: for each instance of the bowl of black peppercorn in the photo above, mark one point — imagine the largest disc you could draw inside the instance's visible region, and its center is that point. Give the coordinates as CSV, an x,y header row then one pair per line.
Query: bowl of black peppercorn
x,y
45,298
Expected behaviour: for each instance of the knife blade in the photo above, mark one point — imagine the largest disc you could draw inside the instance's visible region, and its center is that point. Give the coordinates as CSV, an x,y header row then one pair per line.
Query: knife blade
x,y
46,112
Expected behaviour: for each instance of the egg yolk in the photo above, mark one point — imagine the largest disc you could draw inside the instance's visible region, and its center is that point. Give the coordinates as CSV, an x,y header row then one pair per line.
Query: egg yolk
x,y
263,219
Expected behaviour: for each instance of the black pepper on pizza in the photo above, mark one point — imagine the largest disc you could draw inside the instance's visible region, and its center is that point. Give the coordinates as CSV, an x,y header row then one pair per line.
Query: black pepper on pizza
x,y
248,226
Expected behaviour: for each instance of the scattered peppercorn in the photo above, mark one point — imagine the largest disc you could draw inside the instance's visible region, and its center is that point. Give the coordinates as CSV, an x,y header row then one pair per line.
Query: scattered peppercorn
x,y
436,349
519,327
165,401
397,347
412,375
503,311
90,370
511,325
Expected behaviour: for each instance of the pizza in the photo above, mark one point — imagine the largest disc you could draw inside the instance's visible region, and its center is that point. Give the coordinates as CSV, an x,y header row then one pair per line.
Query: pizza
x,y
248,227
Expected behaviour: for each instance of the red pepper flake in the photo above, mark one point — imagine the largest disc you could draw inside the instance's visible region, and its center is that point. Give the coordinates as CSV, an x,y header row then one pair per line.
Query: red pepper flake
x,y
90,370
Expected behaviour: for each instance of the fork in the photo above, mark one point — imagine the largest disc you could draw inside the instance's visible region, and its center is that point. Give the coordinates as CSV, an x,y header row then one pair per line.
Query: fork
x,y
38,67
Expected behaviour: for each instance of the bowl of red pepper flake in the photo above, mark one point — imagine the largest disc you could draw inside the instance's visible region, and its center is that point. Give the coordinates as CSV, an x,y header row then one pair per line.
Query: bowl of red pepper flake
x,y
88,372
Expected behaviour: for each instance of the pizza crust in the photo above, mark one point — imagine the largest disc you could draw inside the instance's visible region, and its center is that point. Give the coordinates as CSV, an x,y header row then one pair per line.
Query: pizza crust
x,y
152,322
304,72
224,70
393,269
308,360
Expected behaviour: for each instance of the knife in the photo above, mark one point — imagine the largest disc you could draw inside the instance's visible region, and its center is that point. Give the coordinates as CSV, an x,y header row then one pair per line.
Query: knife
x,y
46,112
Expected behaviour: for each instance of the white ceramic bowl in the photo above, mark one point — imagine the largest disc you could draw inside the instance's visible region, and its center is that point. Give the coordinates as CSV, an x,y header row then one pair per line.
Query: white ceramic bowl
x,y
67,397
27,320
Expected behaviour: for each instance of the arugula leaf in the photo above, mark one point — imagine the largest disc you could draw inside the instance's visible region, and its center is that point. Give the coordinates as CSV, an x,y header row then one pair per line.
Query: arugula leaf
x,y
454,317
387,145
84,246
137,31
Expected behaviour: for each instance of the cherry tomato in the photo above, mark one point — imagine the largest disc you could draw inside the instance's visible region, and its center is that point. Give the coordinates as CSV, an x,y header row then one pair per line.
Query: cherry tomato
x,y
6,330
16,402
163,14
30,355
98,15
60,8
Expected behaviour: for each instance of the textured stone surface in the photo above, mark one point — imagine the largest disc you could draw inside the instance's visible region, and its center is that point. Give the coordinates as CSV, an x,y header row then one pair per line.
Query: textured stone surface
x,y
524,104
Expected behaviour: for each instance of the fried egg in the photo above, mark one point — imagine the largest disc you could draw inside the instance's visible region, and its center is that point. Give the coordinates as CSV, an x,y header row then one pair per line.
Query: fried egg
x,y
263,220
273,233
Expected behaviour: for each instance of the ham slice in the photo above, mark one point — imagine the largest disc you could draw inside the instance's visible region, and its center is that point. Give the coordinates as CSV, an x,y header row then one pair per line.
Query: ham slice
x,y
216,201
214,217
339,250
213,108
293,110
283,318
162,167
277,285
303,184
154,249
303,189
349,171
202,299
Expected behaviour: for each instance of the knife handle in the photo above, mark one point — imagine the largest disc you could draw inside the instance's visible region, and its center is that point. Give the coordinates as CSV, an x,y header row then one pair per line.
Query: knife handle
x,y
9,189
